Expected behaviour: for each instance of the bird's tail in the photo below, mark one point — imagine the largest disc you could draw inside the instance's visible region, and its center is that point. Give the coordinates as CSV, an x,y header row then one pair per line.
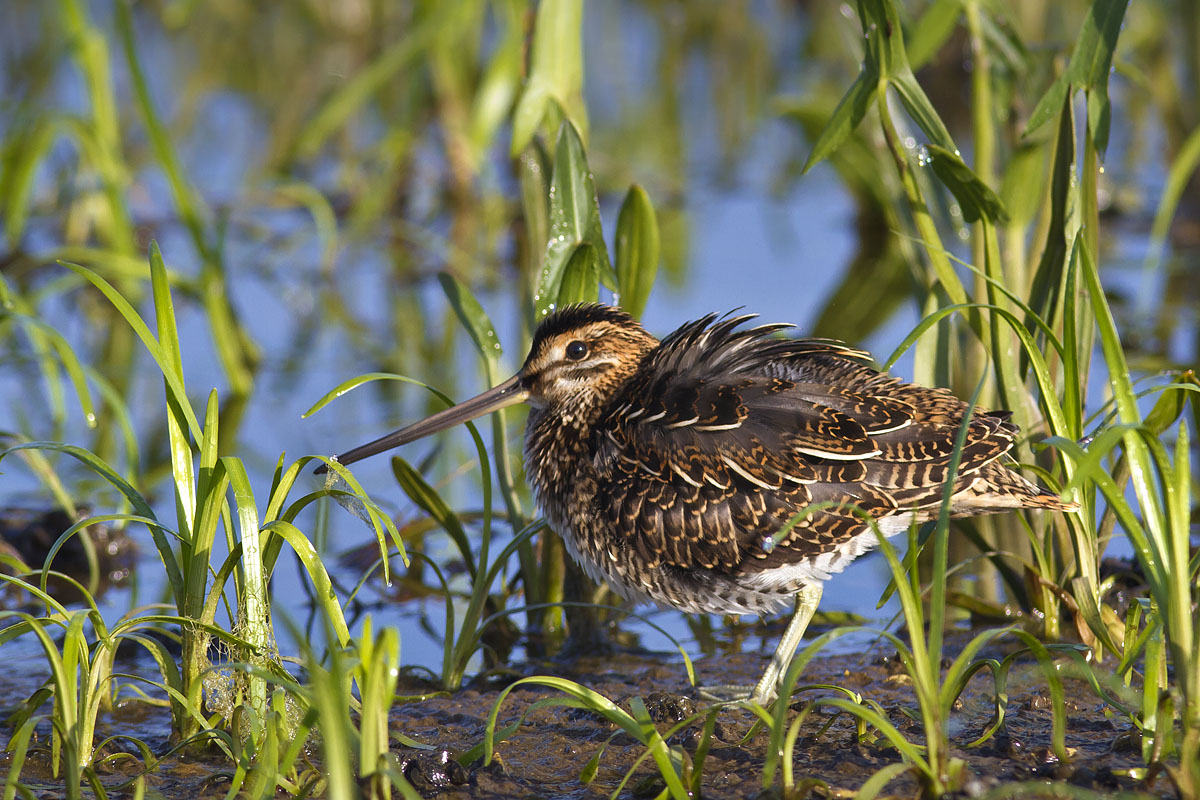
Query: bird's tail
x,y
998,487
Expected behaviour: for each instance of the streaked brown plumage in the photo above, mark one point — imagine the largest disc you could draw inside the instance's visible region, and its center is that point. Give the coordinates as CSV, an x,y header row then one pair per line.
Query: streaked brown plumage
x,y
671,468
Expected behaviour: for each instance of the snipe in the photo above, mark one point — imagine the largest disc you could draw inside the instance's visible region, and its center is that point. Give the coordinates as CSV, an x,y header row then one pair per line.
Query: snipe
x,y
671,468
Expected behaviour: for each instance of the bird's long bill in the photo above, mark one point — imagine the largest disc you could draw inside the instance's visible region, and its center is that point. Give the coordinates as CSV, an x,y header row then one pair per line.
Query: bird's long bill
x,y
506,394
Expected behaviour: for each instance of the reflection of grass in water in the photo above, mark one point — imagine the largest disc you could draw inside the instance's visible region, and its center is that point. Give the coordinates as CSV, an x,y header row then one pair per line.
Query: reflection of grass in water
x,y
1022,325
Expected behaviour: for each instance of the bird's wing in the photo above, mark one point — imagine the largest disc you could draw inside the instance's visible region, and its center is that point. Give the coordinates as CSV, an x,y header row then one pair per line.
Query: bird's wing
x,y
713,448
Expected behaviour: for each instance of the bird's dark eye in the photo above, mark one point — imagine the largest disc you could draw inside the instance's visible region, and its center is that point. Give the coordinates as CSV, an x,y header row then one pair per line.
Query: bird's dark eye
x,y
576,350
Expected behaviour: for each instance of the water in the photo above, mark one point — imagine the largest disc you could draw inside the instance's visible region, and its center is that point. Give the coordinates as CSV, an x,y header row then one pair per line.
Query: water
x,y
777,252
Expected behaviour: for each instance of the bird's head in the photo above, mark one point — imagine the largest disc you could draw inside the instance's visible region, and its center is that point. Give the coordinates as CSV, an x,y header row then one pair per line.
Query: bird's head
x,y
579,356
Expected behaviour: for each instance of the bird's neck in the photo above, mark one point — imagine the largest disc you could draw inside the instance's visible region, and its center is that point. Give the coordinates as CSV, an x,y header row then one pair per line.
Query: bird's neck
x,y
557,451
558,434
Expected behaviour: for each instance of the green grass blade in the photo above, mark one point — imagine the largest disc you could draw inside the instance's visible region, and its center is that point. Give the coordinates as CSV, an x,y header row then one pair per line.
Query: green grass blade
x,y
177,422
353,383
254,606
331,700
131,495
354,93
931,30
1047,276
975,198
473,318
500,81
1089,68
1091,63
188,203
847,116
910,752
637,248
427,499
380,665
1127,412
875,784
580,278
174,384
555,71
574,218
322,586
17,750
667,761
26,152
921,109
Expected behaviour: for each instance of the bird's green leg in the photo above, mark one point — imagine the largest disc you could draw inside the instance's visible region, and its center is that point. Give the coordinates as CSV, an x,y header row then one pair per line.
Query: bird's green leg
x,y
807,600
767,688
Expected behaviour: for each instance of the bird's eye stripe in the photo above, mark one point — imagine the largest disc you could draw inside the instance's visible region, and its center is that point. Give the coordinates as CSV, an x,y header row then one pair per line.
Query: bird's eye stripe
x,y
583,372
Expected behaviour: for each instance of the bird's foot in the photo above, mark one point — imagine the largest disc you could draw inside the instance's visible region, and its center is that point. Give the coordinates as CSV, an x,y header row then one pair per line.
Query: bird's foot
x,y
728,694
763,692
724,693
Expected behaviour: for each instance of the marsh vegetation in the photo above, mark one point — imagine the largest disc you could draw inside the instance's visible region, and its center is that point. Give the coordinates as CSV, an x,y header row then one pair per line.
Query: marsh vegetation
x,y
237,235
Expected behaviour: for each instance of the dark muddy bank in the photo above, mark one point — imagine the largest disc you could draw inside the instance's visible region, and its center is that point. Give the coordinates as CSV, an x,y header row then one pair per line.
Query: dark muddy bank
x,y
549,756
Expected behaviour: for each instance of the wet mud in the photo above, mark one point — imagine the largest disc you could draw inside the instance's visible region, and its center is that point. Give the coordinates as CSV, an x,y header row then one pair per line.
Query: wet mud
x,y
552,750
552,754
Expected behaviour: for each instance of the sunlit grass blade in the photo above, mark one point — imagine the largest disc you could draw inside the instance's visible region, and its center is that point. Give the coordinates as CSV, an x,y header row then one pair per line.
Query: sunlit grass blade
x,y
555,73
474,319
353,383
426,498
580,277
174,384
380,661
254,618
637,250
323,587
849,113
574,219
